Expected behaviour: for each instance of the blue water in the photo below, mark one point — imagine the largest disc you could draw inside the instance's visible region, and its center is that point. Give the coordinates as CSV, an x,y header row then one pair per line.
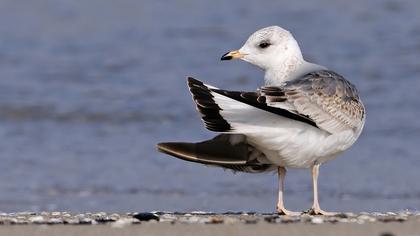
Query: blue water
x,y
87,88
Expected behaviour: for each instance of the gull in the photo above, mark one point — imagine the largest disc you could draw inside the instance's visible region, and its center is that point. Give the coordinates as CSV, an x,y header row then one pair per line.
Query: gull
x,y
303,116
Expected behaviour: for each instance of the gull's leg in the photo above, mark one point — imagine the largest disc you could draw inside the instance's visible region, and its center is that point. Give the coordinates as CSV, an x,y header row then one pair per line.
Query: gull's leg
x,y
280,206
316,210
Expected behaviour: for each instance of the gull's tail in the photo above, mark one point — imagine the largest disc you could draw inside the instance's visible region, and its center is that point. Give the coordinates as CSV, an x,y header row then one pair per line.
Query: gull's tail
x,y
230,151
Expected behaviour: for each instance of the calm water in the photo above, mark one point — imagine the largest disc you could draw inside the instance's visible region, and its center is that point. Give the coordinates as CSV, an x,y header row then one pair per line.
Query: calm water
x,y
87,88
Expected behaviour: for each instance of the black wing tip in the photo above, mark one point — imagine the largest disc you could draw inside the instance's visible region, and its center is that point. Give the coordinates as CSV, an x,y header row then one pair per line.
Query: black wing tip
x,y
192,81
207,107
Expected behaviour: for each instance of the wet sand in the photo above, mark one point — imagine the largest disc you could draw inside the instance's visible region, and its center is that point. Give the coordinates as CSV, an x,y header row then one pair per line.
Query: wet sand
x,y
160,223
411,227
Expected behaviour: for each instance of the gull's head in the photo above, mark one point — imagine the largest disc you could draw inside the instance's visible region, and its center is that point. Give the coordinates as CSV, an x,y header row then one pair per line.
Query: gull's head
x,y
267,48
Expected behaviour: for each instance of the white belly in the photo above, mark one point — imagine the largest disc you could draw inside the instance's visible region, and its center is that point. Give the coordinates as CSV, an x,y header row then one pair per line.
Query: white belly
x,y
300,147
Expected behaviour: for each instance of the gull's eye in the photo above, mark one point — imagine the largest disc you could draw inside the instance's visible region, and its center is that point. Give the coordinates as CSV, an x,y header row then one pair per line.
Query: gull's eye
x,y
264,44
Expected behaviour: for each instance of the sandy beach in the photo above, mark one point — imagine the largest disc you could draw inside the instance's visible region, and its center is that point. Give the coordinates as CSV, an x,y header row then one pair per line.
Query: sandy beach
x,y
160,223
411,227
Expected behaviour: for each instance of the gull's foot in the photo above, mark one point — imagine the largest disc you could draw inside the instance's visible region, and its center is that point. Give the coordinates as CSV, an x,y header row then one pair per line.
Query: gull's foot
x,y
319,212
284,212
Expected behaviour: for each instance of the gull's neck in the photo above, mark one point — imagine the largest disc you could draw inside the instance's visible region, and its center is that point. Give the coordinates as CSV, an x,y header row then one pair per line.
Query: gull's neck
x,y
277,76
289,67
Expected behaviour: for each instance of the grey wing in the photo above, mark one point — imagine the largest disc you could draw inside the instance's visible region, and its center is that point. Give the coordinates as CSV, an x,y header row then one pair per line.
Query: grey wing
x,y
323,96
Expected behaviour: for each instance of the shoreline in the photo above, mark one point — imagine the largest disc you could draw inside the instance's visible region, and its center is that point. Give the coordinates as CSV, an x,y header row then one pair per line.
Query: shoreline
x,y
198,217
170,223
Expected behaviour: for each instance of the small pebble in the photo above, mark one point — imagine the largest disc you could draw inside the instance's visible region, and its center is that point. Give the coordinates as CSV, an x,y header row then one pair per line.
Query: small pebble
x,y
216,220
146,216
366,218
37,219
72,221
86,220
317,220
115,216
167,218
55,221
378,214
55,213
345,215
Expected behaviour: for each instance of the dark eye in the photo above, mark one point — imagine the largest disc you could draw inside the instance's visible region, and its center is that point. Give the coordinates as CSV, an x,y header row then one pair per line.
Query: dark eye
x,y
264,44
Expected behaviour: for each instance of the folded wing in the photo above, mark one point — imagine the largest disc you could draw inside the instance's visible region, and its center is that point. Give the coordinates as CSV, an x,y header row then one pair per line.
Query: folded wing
x,y
325,97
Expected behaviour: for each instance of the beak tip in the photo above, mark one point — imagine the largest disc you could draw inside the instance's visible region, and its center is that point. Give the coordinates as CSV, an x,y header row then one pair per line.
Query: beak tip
x,y
226,57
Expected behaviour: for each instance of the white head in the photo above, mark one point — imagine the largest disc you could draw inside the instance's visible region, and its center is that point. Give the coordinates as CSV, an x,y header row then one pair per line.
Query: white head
x,y
268,48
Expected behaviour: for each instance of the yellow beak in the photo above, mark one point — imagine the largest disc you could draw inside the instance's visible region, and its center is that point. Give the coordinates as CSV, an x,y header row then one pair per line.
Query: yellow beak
x,y
232,55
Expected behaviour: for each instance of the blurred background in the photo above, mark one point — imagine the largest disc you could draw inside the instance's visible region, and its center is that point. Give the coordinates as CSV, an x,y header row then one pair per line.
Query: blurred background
x,y
87,89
